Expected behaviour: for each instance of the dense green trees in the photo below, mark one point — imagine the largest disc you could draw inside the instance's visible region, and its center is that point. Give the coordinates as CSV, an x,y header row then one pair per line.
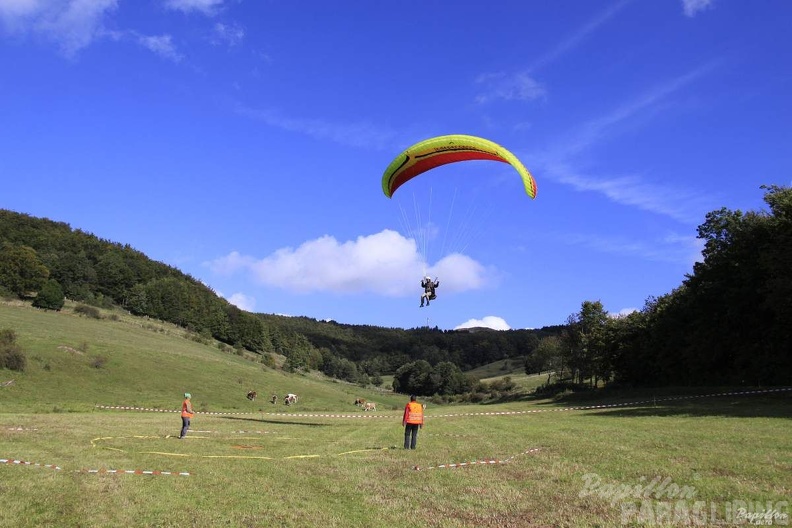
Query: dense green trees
x,y
21,270
420,378
103,273
729,323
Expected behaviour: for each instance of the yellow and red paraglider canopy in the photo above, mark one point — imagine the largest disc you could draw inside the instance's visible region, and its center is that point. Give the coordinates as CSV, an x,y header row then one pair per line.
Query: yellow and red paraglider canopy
x,y
442,150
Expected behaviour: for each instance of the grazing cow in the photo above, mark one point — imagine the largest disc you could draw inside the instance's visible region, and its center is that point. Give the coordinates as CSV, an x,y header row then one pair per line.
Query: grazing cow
x,y
290,399
274,399
370,406
360,402
251,395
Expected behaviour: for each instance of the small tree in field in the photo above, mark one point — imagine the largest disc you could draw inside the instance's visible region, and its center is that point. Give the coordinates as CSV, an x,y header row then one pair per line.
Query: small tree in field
x,y
50,297
11,355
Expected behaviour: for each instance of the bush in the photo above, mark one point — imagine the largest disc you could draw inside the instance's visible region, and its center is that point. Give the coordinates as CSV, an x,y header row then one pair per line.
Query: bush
x,y
268,360
50,297
99,362
560,389
88,311
11,355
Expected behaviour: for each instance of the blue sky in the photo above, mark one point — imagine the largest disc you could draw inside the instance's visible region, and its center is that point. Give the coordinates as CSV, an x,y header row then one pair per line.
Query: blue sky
x,y
243,141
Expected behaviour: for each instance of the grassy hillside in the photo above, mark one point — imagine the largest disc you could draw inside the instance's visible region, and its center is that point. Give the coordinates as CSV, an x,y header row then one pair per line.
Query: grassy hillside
x,y
76,362
527,463
514,369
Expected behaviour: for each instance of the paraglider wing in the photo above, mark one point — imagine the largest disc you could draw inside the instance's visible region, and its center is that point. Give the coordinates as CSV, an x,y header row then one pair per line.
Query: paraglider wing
x,y
442,150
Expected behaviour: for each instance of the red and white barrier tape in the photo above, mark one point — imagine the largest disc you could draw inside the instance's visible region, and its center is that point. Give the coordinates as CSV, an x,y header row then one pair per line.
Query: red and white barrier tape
x,y
494,413
137,472
24,463
206,413
477,462
99,471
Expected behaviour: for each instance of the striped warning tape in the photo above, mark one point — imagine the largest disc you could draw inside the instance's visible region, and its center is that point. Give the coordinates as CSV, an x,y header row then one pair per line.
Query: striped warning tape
x,y
232,432
24,463
206,413
493,413
136,472
488,461
114,471
22,429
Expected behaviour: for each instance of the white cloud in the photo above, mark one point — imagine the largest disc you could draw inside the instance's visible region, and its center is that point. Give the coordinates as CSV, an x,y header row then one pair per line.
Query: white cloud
x,y
76,24
207,7
243,302
19,8
516,87
648,103
683,205
490,321
692,7
384,263
161,45
230,264
623,312
523,86
573,40
558,162
71,24
228,34
359,134
676,249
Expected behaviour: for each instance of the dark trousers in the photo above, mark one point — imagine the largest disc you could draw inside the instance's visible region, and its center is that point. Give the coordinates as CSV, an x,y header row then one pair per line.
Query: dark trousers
x,y
411,435
185,426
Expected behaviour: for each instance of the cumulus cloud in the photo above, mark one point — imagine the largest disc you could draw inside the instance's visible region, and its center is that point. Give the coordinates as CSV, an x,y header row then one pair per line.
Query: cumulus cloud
x,y
384,263
693,7
242,301
71,24
623,312
490,321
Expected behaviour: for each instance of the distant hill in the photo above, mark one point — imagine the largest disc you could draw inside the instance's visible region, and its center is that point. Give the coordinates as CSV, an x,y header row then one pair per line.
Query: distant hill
x,y
120,359
108,274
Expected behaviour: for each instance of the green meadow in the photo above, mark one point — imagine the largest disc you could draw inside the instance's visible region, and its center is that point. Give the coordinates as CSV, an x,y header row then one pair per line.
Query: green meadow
x,y
626,459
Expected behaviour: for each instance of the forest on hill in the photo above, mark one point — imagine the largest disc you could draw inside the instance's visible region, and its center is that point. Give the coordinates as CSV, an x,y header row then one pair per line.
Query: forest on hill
x,y
729,323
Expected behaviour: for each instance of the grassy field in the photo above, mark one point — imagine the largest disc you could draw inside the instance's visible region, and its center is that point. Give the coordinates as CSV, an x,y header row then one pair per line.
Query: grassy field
x,y
512,369
325,463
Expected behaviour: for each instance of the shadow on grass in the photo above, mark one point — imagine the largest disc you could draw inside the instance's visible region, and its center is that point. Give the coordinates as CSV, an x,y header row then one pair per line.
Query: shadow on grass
x,y
262,420
775,402
746,406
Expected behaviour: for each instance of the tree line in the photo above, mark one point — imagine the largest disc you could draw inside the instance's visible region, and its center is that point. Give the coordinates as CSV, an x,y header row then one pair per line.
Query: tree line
x,y
46,261
728,323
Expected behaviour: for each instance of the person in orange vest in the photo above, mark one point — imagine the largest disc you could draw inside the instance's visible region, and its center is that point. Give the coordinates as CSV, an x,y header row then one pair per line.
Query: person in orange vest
x,y
186,414
412,421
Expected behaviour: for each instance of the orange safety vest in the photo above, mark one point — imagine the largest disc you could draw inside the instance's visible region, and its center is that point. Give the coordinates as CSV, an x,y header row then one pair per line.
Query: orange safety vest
x,y
187,411
413,413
